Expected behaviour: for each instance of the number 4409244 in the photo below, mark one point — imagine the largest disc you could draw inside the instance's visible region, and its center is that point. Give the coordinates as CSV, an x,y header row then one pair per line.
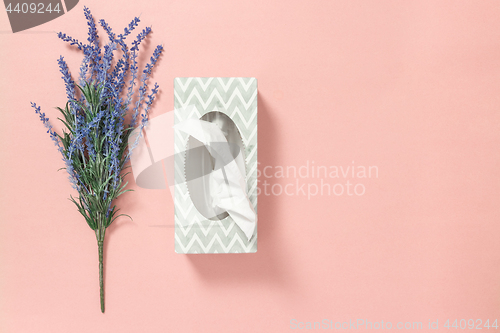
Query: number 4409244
x,y
38,8
471,324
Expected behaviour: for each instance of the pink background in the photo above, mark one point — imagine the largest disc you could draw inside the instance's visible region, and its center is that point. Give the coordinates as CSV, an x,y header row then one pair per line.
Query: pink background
x,y
409,86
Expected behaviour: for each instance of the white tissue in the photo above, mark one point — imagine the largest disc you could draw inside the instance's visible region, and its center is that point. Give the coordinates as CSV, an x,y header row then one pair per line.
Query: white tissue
x,y
227,182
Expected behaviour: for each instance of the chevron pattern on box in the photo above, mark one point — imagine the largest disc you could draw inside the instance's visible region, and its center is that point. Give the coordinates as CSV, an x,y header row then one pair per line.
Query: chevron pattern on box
x,y
237,98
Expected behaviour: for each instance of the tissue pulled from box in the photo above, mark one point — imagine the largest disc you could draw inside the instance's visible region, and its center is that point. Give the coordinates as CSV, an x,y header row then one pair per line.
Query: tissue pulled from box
x,y
226,181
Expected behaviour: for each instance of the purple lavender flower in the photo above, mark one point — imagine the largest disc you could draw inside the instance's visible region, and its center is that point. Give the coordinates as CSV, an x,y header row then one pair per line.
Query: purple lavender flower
x,y
70,40
133,67
146,73
93,40
131,26
149,102
46,123
69,83
94,144
109,31
103,68
84,67
55,139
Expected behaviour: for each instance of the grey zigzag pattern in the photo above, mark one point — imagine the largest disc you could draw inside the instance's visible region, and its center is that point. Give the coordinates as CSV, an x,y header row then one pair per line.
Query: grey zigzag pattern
x,y
236,97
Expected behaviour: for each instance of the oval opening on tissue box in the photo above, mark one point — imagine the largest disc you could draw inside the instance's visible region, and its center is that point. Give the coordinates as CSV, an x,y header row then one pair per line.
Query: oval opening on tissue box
x,y
199,164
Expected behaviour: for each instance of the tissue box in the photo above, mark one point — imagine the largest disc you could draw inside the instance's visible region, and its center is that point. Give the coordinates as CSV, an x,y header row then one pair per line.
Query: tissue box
x,y
232,101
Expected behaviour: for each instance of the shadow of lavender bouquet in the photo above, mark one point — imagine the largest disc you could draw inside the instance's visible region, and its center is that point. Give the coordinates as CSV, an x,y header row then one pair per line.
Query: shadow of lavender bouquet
x,y
94,143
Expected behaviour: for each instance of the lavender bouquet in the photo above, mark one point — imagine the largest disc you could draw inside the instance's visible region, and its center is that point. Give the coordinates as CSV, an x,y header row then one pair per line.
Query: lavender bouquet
x,y
94,142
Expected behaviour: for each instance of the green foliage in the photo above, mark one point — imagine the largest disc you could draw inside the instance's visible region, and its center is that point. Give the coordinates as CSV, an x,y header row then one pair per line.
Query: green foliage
x,y
96,193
